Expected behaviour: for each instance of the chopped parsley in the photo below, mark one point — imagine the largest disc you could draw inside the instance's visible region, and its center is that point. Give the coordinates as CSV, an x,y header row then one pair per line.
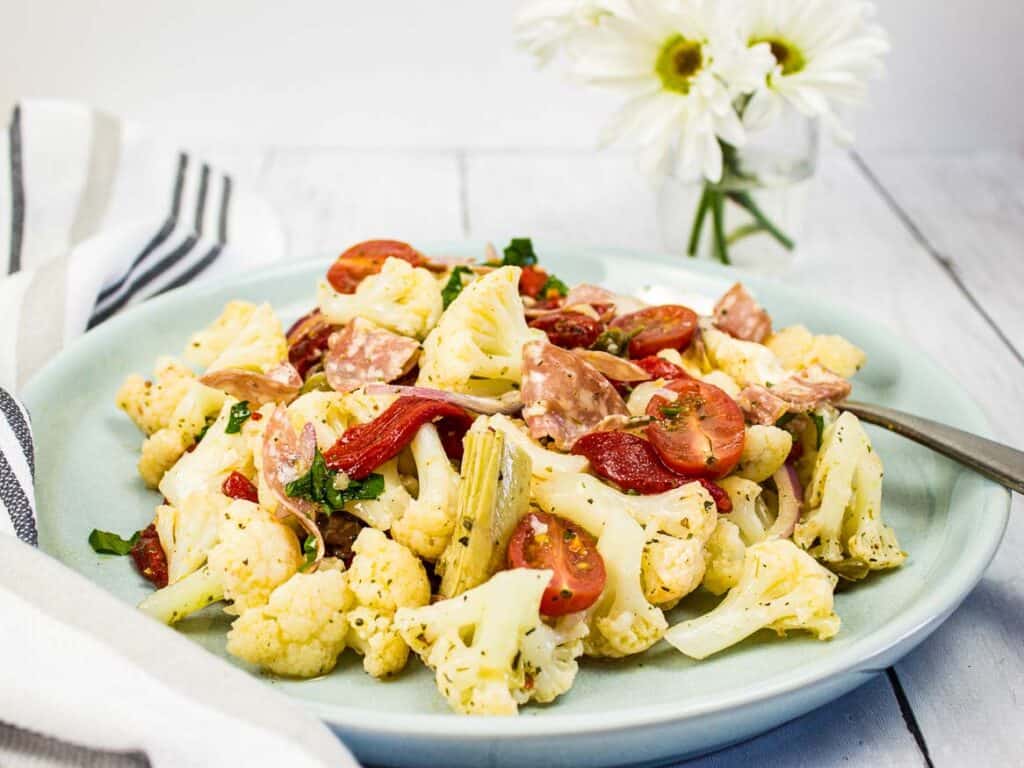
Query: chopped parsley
x,y
206,428
107,543
240,413
553,287
519,253
614,341
819,424
454,286
671,411
319,485
308,552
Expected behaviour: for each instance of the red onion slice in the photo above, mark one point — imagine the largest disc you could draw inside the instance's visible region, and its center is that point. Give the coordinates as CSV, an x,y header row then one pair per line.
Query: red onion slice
x,y
507,404
790,501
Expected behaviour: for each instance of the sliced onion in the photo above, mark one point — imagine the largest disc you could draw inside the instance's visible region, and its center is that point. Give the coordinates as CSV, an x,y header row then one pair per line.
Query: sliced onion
x,y
507,404
790,501
613,367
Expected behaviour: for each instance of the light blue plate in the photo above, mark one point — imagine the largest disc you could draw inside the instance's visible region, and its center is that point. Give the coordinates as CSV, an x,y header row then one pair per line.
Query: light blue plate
x,y
643,710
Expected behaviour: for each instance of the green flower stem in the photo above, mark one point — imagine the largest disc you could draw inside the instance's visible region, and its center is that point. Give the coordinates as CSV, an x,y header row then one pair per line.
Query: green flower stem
x,y
718,221
698,221
745,201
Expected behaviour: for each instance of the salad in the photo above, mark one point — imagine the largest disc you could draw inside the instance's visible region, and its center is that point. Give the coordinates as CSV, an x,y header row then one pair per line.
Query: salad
x,y
480,466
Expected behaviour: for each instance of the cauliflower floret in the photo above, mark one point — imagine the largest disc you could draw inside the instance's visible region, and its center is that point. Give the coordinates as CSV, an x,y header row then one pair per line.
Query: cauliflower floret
x,y
723,555
246,337
165,446
215,457
326,411
798,348
151,402
382,512
641,396
544,463
385,576
489,647
746,362
622,621
781,588
720,379
189,531
765,450
426,525
477,346
402,298
676,523
254,554
749,511
843,526
301,630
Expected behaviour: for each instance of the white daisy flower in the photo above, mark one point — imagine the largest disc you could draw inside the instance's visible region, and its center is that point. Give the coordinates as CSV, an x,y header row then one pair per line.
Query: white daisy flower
x,y
825,52
684,64
543,27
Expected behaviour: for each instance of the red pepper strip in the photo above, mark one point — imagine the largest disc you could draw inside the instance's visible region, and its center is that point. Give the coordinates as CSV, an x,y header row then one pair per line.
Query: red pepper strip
x,y
149,557
238,486
631,462
363,448
660,368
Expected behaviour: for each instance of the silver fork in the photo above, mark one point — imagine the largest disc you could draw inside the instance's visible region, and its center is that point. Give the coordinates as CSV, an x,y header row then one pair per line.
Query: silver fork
x,y
994,460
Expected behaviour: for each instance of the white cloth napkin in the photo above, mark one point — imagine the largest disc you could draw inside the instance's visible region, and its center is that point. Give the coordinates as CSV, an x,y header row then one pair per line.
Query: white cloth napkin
x,y
101,216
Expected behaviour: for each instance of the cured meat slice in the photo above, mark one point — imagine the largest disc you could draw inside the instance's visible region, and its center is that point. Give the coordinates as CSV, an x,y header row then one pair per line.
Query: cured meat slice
x,y
278,385
564,397
802,392
738,314
362,353
288,455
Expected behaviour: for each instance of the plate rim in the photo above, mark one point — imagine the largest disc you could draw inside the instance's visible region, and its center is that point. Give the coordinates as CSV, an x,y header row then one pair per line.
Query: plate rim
x,y
547,722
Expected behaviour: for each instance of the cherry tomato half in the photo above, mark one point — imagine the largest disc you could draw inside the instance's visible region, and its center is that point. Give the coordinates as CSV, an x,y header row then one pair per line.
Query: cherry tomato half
x,y
549,542
653,329
700,434
569,330
365,259
660,368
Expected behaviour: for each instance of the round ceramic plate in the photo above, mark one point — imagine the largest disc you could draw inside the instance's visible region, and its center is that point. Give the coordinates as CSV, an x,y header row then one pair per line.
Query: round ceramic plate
x,y
643,710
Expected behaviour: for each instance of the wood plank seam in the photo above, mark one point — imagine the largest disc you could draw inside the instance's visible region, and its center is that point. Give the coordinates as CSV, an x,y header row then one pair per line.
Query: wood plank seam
x,y
909,718
944,262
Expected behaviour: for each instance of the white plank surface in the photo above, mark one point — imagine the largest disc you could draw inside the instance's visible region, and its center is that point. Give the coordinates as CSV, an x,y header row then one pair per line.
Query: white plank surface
x,y
865,246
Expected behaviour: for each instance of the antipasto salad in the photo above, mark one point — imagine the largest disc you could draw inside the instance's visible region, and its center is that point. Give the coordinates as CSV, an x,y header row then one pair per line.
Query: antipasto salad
x,y
499,473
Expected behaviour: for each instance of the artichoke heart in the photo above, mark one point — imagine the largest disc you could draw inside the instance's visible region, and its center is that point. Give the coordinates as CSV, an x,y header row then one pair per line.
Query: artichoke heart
x,y
494,495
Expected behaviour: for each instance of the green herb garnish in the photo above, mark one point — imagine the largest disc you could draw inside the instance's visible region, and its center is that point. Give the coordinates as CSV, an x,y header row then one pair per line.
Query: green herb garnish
x,y
553,286
206,428
614,341
308,552
239,414
819,424
519,253
454,286
107,543
318,485
671,411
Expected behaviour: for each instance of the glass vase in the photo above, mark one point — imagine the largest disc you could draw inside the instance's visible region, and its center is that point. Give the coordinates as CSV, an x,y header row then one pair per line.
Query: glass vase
x,y
753,217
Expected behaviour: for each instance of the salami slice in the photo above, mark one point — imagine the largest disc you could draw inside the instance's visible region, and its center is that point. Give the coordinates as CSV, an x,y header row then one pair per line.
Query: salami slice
x,y
361,353
738,314
564,397
278,385
288,455
802,392
615,368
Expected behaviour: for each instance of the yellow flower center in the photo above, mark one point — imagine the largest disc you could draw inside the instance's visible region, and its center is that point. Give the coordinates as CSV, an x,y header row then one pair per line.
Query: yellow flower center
x,y
787,55
679,62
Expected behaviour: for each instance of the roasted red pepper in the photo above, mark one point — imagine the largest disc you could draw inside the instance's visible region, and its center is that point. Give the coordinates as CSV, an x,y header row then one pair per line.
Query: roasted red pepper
x,y
238,486
363,448
631,462
149,557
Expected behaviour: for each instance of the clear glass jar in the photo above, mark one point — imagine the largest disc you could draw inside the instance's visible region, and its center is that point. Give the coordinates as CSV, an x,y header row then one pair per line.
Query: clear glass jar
x,y
761,199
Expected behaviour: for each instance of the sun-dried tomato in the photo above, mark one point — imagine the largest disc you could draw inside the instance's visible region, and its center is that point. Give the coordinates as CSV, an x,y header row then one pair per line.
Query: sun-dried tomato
x,y
149,557
238,486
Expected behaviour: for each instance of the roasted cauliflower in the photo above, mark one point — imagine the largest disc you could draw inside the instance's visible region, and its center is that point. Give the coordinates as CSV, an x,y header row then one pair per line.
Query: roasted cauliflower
x,y
150,403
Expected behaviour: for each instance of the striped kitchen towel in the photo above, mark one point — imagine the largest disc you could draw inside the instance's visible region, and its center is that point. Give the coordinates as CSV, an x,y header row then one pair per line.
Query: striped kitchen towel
x,y
97,214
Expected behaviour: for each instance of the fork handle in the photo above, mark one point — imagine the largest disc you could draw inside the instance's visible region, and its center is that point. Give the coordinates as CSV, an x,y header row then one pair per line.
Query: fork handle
x,y
994,460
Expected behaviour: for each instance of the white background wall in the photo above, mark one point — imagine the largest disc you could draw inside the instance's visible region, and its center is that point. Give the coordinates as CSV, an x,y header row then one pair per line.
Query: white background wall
x,y
446,73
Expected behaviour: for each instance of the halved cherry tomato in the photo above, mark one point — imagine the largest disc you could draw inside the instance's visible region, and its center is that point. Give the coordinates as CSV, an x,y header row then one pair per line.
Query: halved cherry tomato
x,y
531,280
238,486
569,330
149,557
653,329
631,462
701,433
660,368
549,542
365,259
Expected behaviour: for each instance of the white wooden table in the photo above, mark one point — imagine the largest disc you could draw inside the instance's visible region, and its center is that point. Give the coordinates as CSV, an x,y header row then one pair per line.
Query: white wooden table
x,y
932,244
